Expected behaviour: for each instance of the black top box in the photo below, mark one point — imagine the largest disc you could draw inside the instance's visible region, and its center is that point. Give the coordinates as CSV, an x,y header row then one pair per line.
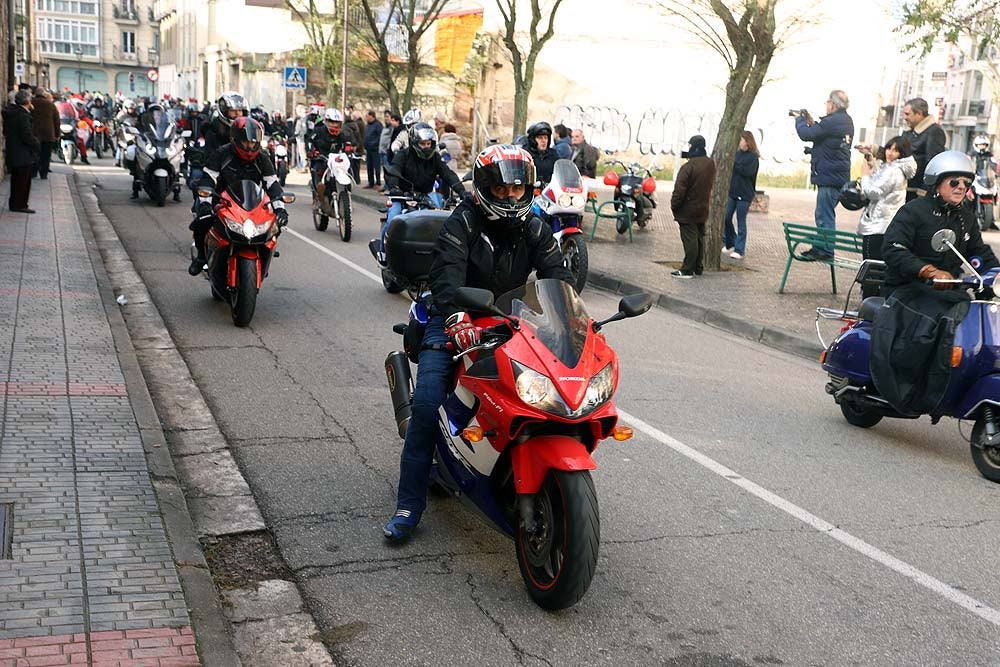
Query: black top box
x,y
409,243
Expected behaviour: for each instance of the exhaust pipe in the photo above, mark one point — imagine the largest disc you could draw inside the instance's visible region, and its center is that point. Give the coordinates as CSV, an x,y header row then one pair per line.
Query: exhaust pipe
x,y
397,374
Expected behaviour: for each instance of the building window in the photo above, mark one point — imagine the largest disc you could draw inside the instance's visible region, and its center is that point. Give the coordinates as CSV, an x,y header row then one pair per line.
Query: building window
x,y
68,6
128,7
128,42
67,37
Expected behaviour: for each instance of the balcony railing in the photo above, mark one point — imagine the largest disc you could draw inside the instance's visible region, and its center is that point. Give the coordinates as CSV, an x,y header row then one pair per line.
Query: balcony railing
x,y
122,14
977,108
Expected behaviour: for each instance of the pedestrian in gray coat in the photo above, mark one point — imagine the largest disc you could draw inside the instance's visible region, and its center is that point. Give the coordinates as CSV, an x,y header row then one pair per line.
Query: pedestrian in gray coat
x,y
21,149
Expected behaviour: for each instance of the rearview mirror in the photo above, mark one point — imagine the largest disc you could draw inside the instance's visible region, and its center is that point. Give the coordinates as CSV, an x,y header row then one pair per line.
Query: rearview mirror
x,y
473,298
186,133
941,239
288,197
635,304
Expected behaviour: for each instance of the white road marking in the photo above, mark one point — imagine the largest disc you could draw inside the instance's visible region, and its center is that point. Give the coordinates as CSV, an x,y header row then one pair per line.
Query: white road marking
x,y
343,260
953,595
950,593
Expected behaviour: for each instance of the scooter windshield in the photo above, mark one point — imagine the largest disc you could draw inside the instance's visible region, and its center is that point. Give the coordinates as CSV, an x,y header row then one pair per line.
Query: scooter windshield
x,y
554,312
566,176
247,194
162,128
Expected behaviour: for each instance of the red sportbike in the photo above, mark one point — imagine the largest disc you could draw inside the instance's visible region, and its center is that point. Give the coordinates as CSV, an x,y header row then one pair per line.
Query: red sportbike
x,y
529,406
239,246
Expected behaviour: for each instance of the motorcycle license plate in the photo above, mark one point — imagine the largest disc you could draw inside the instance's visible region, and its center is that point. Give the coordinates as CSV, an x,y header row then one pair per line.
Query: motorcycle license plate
x,y
630,204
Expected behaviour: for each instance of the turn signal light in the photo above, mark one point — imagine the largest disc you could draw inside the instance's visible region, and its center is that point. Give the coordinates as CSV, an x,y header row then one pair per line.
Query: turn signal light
x,y
822,357
956,356
621,433
473,434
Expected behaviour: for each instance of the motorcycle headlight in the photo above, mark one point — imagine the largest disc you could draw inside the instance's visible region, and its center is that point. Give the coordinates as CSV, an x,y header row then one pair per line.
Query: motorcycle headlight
x,y
65,128
579,201
565,200
150,149
247,228
539,392
626,189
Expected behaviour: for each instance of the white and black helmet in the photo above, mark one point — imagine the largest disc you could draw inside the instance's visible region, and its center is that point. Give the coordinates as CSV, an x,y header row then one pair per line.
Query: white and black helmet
x,y
981,144
503,164
232,101
423,132
411,117
333,115
948,163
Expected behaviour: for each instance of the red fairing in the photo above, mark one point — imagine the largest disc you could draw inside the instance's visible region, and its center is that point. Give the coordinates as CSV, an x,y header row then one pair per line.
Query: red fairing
x,y
533,459
649,185
611,178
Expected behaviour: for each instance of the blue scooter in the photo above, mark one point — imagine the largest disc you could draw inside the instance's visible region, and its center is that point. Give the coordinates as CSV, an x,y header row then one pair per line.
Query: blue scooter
x,y
973,391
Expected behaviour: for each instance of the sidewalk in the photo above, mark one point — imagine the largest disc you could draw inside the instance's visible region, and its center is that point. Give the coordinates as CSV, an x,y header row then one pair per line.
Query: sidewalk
x,y
90,577
742,299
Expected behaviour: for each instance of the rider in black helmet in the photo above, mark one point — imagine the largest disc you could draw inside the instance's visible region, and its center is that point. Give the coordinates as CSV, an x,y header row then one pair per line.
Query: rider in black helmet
x,y
539,144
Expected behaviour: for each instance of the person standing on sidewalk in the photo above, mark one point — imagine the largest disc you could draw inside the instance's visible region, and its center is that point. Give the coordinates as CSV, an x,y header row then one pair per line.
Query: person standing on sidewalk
x,y
689,204
45,125
742,188
373,133
22,150
926,138
830,161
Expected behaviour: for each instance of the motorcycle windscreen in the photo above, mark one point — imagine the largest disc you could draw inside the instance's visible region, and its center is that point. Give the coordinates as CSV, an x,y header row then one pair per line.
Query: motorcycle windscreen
x,y
247,194
554,311
566,176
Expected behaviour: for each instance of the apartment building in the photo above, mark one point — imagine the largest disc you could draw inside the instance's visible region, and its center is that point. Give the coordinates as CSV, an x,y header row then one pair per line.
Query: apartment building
x,y
970,107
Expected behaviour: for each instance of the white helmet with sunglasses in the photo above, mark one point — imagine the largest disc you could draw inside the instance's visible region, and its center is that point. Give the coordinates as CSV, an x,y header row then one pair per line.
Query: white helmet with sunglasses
x,y
948,163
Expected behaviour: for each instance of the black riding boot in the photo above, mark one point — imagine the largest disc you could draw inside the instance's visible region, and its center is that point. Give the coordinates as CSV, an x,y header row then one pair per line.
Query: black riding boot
x,y
198,263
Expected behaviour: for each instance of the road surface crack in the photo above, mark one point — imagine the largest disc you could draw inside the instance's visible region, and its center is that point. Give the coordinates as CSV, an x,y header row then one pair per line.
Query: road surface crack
x,y
519,653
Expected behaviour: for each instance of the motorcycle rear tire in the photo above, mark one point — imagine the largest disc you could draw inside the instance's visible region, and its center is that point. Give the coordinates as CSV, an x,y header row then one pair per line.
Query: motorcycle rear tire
x,y
574,250
390,285
345,215
558,562
987,459
320,221
859,416
244,298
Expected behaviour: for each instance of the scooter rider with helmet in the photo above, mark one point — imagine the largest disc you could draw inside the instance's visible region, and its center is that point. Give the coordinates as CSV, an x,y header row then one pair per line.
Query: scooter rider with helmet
x,y
491,241
539,144
415,170
325,138
907,247
239,160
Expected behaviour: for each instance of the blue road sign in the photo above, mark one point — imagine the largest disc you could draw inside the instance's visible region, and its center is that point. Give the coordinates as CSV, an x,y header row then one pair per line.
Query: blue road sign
x,y
295,77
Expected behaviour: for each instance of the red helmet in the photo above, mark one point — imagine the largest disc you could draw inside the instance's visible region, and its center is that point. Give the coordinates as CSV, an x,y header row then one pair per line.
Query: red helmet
x,y
246,135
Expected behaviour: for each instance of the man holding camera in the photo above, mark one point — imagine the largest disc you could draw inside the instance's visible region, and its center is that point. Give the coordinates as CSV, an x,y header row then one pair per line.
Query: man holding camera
x,y
830,159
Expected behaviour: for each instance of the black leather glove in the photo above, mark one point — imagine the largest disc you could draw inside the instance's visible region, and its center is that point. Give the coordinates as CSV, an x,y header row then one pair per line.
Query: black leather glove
x,y
280,217
395,192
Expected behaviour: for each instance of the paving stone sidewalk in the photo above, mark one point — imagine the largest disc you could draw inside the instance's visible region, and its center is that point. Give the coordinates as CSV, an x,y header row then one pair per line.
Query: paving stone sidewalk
x,y
90,578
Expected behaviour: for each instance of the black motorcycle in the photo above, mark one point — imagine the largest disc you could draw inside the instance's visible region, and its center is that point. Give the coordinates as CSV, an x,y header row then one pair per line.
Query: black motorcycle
x,y
633,191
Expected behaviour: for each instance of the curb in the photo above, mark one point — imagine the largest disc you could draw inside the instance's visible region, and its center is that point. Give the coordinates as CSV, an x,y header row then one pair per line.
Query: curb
x,y
778,339
200,489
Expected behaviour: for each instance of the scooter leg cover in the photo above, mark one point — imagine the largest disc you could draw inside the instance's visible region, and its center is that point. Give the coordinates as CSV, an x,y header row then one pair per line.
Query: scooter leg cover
x,y
130,153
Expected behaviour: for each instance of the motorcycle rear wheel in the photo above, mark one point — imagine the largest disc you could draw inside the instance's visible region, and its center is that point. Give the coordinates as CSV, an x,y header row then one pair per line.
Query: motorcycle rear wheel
x,y
244,298
574,250
559,560
345,216
390,285
987,459
859,416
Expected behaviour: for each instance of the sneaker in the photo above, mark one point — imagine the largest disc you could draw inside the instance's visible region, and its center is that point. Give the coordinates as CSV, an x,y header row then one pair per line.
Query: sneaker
x,y
682,274
401,526
726,251
735,255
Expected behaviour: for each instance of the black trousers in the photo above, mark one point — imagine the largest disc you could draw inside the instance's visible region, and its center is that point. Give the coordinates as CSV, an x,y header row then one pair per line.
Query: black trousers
x,y
871,248
44,158
374,162
693,238
20,187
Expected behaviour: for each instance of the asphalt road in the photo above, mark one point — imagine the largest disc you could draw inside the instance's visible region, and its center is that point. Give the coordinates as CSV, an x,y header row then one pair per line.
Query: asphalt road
x,y
746,523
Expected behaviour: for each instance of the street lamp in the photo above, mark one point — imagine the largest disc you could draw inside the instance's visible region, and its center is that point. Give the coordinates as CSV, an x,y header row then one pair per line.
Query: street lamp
x,y
79,68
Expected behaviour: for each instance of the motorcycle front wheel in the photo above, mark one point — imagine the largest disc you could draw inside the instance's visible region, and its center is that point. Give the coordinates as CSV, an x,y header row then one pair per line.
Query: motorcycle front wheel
x,y
574,250
345,215
987,459
160,190
985,216
244,298
282,173
558,559
98,150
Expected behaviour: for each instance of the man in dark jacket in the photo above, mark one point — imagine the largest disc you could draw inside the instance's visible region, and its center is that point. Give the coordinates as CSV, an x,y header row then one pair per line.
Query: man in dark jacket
x,y
926,138
689,203
491,242
830,160
562,145
373,132
45,124
584,155
22,150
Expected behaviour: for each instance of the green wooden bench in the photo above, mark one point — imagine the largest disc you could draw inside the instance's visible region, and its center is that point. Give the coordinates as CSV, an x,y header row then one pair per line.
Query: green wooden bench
x,y
805,236
611,213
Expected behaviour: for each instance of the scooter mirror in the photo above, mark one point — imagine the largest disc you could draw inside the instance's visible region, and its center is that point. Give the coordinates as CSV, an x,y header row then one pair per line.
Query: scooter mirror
x,y
288,197
941,239
635,304
473,298
186,133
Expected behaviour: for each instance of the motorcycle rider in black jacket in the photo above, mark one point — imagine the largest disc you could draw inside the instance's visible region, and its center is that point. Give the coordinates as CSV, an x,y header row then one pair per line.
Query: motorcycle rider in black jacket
x,y
539,144
237,161
325,138
232,105
490,241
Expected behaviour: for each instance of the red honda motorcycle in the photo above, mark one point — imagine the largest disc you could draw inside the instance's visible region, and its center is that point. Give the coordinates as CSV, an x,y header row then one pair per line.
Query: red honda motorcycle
x,y
529,406
239,246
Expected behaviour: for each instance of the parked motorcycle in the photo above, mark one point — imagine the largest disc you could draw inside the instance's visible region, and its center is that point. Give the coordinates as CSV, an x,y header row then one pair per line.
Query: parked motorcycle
x,y
633,190
973,391
528,408
159,158
560,204
984,191
336,200
239,245
68,150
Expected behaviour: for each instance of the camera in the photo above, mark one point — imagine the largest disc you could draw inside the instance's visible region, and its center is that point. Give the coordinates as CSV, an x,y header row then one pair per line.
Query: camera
x,y
807,150
795,112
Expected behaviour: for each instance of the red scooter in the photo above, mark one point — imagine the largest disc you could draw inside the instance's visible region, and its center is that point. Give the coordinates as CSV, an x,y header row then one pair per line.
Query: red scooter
x,y
240,245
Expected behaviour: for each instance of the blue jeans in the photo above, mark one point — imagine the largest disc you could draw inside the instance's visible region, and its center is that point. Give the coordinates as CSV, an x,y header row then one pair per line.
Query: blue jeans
x,y
827,197
397,208
731,238
434,374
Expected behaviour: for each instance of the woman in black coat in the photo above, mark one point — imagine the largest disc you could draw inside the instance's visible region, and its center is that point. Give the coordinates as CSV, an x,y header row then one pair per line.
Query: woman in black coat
x,y
22,150
742,187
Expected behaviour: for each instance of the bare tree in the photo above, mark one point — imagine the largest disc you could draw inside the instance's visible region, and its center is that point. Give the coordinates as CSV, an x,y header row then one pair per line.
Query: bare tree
x,y
523,59
399,15
323,31
744,33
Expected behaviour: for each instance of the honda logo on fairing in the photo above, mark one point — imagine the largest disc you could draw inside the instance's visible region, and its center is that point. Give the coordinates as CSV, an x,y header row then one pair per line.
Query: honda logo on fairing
x,y
567,378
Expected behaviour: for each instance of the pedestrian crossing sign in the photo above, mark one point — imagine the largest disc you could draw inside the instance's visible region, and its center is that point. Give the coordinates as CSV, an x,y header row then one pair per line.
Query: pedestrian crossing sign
x,y
295,77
